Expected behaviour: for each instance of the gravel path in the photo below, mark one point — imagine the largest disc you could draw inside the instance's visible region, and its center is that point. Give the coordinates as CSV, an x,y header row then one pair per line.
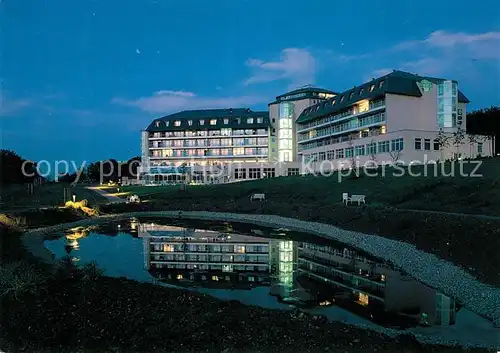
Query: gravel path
x,y
478,297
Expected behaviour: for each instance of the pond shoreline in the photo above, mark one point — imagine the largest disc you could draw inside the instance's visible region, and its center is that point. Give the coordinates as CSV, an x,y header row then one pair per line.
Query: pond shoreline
x,y
478,297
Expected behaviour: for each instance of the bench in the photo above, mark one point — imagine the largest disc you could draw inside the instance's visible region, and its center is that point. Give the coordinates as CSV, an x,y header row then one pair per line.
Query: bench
x,y
133,199
259,197
354,198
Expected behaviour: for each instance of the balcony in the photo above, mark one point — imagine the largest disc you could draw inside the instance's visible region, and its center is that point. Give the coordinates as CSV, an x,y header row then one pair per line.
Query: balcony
x,y
351,113
350,270
364,122
340,139
342,281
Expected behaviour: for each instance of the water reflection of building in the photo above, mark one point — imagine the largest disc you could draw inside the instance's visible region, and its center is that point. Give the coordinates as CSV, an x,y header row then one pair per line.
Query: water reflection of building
x,y
376,286
203,257
298,273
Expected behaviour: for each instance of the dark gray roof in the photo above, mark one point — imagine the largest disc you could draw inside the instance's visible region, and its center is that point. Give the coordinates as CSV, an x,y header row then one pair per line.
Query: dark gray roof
x,y
194,117
305,92
397,82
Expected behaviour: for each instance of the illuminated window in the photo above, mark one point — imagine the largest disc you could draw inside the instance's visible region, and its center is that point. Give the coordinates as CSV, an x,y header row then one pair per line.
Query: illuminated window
x,y
372,87
381,84
226,121
167,123
202,122
361,91
179,276
215,278
213,121
260,120
383,130
190,122
249,120
382,278
363,299
168,247
177,123
350,95
341,99
240,249
158,124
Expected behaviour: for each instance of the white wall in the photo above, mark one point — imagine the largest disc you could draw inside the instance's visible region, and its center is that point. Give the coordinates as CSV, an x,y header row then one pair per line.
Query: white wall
x,y
414,113
409,152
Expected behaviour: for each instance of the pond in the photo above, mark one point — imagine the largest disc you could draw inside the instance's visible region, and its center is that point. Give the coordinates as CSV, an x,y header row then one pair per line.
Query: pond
x,y
272,268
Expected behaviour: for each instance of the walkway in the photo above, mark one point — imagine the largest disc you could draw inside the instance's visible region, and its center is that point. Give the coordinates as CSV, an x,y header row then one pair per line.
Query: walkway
x,y
455,214
111,198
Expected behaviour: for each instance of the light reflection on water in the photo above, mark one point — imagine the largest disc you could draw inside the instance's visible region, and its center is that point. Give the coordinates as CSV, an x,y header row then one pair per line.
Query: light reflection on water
x,y
229,264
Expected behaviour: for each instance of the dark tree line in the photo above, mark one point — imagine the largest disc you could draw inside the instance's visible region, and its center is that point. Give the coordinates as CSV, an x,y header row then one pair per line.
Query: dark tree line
x,y
17,170
485,122
105,171
12,171
112,170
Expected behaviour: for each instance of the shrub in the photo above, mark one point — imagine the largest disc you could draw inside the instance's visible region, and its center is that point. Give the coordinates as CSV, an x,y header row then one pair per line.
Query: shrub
x,y
65,268
90,272
19,278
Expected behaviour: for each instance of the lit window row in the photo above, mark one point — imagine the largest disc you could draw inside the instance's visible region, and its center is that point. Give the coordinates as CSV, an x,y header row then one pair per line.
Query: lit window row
x,y
354,94
201,122
209,133
340,127
360,108
360,150
216,142
240,151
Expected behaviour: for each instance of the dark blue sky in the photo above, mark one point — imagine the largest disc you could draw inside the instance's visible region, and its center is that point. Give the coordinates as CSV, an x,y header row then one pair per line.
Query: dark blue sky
x,y
82,78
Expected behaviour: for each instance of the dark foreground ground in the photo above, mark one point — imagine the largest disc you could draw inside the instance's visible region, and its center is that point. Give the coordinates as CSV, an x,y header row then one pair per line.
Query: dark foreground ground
x,y
118,315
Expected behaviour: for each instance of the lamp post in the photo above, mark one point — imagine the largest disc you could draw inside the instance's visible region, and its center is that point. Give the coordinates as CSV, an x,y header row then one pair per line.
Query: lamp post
x,y
74,198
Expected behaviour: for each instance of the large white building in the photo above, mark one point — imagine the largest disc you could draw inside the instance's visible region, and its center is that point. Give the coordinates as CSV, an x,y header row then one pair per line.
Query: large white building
x,y
399,117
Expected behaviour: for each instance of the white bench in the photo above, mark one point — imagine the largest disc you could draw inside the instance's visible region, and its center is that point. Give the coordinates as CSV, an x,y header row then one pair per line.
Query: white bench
x,y
354,198
133,199
259,197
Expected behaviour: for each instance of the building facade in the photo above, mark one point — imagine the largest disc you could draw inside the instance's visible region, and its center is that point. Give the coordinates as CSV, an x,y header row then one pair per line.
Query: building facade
x,y
396,118
295,272
203,257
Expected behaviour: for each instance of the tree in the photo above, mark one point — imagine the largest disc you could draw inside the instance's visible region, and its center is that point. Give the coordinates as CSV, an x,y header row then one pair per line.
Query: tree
x,y
16,170
443,141
485,122
373,152
457,139
395,156
352,158
472,139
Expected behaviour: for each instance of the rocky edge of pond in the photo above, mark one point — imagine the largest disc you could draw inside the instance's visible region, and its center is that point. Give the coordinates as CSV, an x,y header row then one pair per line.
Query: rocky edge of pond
x,y
449,279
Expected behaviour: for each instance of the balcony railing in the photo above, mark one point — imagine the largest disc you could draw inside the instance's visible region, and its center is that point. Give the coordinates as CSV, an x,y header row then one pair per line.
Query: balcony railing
x,y
159,135
187,145
351,113
344,127
344,282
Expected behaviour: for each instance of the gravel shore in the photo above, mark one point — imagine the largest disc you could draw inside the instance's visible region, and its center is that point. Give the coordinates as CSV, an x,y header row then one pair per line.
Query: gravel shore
x,y
478,297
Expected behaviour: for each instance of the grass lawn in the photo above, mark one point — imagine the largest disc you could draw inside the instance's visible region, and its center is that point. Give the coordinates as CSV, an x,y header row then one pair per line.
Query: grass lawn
x,y
461,194
51,194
